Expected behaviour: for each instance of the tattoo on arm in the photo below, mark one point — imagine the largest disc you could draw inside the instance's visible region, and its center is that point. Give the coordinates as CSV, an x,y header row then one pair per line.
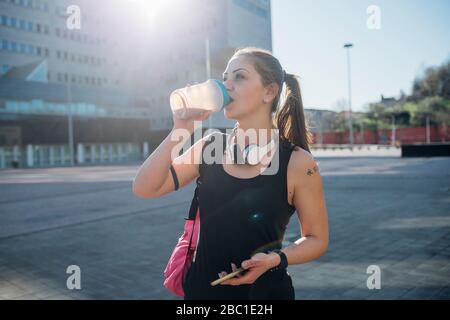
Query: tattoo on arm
x,y
310,172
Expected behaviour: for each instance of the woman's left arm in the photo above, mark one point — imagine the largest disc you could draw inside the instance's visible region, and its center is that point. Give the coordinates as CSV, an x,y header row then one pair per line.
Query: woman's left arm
x,y
309,201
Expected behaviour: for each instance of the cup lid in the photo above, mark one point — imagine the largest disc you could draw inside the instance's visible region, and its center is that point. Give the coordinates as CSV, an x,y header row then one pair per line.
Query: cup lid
x,y
225,95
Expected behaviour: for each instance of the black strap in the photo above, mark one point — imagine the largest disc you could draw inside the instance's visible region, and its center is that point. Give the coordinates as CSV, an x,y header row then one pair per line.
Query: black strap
x,y
194,202
283,261
201,166
175,178
194,205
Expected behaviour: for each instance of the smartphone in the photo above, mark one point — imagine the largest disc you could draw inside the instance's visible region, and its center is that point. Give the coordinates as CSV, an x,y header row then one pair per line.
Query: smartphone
x,y
228,276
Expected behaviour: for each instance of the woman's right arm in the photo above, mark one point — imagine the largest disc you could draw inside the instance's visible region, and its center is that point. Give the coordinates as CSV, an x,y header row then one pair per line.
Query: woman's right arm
x,y
154,178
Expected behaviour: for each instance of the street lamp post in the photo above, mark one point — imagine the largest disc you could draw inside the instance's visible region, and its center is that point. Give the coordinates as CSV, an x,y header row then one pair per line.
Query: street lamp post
x,y
70,120
348,46
362,131
393,134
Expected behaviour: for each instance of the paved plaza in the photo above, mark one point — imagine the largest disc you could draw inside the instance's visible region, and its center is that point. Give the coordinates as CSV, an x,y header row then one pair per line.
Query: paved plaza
x,y
386,211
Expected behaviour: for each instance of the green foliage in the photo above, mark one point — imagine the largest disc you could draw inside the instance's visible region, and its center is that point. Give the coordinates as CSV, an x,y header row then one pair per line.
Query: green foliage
x,y
435,82
430,98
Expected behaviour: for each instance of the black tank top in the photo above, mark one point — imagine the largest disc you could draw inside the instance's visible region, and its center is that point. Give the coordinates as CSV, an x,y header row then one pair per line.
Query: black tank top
x,y
238,218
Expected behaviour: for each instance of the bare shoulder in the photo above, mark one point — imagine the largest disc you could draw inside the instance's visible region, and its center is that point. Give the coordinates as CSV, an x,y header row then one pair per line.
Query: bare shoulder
x,y
302,164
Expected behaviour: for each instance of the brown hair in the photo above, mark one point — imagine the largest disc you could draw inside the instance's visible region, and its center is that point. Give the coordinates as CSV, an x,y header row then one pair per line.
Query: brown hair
x,y
290,117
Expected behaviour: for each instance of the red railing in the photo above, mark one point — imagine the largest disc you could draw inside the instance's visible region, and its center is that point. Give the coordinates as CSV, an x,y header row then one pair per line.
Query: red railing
x,y
402,136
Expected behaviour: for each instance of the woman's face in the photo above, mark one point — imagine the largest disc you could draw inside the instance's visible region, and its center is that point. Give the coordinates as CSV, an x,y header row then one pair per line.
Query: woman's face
x,y
244,86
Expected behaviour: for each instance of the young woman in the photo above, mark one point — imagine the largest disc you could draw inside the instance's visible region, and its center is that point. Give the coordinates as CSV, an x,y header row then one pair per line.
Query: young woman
x,y
243,213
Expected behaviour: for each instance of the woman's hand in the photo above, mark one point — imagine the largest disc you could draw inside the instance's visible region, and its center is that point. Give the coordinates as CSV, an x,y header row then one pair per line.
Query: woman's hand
x,y
188,124
255,267
179,123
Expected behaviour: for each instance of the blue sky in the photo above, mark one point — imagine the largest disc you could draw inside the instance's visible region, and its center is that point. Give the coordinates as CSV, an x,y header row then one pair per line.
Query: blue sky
x,y
308,38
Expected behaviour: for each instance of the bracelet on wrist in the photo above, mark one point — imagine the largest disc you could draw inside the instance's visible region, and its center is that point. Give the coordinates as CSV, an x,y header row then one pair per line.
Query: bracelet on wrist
x,y
283,261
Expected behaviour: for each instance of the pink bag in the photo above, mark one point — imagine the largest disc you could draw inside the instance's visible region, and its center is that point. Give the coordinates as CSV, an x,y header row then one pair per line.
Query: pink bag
x,y
184,253
182,256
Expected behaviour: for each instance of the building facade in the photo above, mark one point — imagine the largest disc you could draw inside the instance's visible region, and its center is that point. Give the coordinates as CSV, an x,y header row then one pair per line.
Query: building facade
x,y
99,73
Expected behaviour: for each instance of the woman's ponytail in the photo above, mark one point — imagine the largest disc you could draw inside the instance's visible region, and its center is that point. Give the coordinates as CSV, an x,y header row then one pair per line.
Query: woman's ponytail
x,y
290,118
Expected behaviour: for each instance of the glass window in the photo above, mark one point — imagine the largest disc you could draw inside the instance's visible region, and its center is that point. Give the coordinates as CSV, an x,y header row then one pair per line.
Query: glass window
x,y
23,24
30,49
12,22
5,68
4,44
23,48
4,20
30,26
13,46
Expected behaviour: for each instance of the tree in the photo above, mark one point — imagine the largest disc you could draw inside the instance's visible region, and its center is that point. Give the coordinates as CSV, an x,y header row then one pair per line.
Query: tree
x,y
436,108
435,82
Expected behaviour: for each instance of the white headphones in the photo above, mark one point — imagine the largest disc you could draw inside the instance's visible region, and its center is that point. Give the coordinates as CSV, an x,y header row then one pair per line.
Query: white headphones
x,y
252,153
